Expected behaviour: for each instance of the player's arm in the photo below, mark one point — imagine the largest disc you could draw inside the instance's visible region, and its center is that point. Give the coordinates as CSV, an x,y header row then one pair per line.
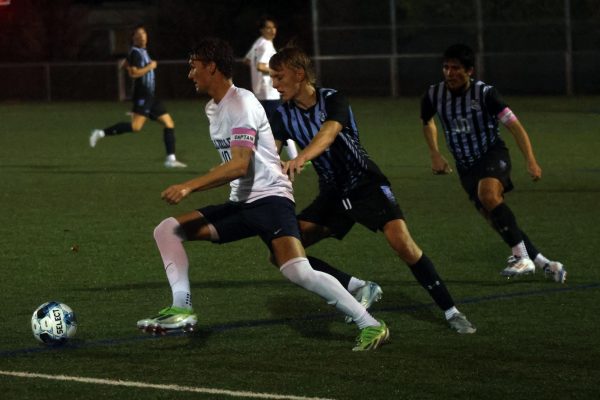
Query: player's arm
x,y
217,176
321,142
512,123
138,72
439,164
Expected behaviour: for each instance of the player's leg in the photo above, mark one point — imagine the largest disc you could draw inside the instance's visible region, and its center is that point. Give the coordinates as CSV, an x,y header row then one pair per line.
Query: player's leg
x,y
136,124
275,220
490,194
169,236
168,124
399,238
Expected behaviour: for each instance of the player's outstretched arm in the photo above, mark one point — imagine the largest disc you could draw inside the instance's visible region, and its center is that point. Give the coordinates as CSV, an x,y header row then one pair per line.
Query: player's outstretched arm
x,y
217,176
439,165
321,142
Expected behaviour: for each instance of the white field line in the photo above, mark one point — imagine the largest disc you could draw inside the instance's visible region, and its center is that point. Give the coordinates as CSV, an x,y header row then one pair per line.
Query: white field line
x,y
144,385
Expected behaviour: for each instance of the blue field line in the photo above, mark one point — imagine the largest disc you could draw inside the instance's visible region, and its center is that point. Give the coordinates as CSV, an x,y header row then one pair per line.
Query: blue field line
x,y
281,321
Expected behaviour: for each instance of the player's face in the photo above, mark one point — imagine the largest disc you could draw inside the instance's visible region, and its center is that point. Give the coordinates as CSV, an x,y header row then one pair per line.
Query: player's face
x,y
200,74
269,30
456,76
140,38
287,81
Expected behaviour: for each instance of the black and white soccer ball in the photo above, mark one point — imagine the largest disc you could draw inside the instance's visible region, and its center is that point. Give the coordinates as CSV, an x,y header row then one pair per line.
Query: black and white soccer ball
x,y
53,323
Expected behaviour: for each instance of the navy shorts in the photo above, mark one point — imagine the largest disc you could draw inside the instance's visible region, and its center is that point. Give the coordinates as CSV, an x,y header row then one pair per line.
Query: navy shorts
x,y
494,164
371,204
149,107
269,218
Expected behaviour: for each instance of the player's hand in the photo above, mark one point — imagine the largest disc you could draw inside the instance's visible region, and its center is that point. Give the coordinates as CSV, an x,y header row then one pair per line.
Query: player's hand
x,y
294,167
440,166
152,64
174,194
534,170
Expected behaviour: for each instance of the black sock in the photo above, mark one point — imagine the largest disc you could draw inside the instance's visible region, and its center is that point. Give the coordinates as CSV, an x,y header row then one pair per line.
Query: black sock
x,y
117,129
531,249
169,137
322,266
424,272
505,223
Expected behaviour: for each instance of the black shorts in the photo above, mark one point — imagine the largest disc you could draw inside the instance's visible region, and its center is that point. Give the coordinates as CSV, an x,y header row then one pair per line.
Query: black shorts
x,y
270,218
371,204
494,164
149,107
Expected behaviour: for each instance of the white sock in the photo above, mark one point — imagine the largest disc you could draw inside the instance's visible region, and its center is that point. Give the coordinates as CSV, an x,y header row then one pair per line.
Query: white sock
x,y
291,150
299,271
451,312
540,261
355,284
169,241
520,250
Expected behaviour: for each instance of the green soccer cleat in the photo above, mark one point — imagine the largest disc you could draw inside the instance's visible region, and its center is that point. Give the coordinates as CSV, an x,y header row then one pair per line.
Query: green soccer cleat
x,y
366,296
372,337
170,319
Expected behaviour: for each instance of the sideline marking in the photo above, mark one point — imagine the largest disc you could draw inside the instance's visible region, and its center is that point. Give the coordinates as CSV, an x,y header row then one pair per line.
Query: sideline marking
x,y
144,385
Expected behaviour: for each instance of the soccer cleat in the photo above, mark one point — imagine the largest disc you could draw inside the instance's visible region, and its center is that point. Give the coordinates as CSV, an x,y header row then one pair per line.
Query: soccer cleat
x,y
366,296
96,135
168,320
555,270
518,266
461,324
174,164
372,337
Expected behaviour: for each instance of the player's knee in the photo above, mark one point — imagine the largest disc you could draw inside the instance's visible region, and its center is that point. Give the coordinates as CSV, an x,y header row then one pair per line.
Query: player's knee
x,y
489,199
168,228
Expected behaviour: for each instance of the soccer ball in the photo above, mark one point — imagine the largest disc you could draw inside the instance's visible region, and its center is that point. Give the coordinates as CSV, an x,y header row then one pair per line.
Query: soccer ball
x,y
53,323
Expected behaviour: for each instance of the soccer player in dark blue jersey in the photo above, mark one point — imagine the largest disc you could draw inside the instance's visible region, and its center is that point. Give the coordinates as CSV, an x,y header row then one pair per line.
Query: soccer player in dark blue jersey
x,y
352,188
145,105
470,111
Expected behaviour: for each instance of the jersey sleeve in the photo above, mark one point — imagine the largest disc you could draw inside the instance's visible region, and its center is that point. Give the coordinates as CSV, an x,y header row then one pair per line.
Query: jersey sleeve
x,y
338,108
135,59
244,125
427,110
265,52
494,102
278,127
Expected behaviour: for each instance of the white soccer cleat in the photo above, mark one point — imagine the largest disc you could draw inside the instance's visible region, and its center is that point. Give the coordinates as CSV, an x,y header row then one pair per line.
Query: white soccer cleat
x,y
96,135
555,270
518,266
174,164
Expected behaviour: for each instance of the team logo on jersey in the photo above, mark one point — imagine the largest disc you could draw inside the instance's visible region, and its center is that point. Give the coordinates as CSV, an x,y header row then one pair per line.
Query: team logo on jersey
x,y
387,191
322,116
475,105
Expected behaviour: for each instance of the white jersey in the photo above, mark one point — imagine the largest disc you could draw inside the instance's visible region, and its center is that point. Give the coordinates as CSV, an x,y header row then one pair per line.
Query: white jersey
x,y
261,52
240,120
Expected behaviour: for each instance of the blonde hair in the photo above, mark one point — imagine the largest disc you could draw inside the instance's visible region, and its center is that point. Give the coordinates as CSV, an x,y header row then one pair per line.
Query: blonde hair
x,y
295,58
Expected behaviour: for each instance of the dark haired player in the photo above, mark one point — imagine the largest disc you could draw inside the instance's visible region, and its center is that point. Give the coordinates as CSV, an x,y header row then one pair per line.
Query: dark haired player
x,y
145,105
470,112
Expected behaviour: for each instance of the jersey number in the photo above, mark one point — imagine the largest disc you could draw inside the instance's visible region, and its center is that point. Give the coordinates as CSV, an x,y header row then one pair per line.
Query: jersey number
x,y
225,155
461,125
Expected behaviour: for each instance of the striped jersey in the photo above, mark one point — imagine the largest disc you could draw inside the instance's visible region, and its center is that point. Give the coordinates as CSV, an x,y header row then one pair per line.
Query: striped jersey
x,y
345,162
145,85
469,119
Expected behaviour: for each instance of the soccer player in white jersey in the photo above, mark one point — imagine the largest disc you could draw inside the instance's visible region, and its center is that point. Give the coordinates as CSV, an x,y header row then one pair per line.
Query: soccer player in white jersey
x,y
470,112
260,203
257,59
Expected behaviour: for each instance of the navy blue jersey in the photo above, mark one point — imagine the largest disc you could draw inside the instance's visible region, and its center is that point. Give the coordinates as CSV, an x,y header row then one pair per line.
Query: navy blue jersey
x,y
143,86
345,162
469,119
